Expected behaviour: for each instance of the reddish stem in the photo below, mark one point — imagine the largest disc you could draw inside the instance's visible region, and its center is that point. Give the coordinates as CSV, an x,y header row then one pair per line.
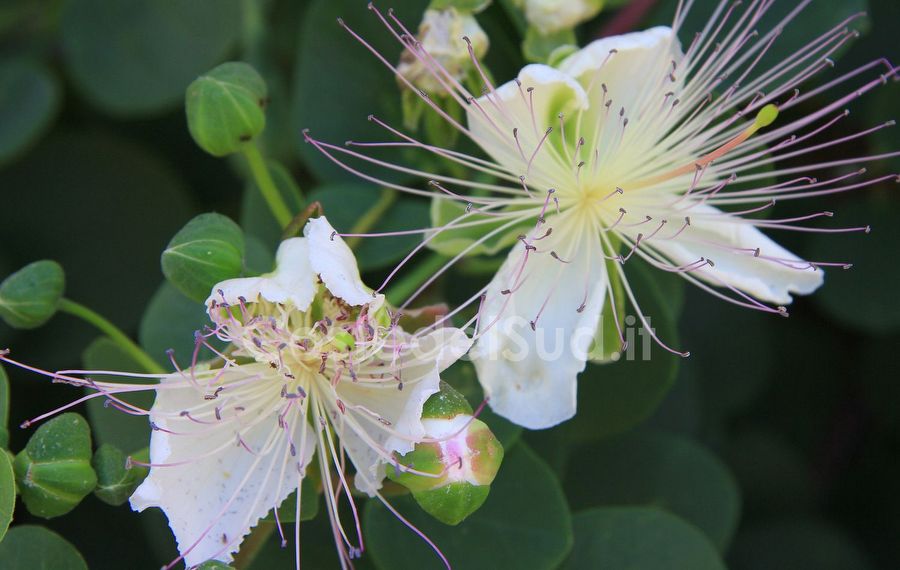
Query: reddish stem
x,y
627,19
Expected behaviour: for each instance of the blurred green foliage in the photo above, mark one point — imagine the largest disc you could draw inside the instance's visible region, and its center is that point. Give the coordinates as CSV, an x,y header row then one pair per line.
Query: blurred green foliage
x,y
773,446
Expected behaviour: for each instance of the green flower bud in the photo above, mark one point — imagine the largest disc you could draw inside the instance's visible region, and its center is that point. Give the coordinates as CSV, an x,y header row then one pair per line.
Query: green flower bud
x,y
225,108
54,470
446,404
206,251
465,6
116,480
441,34
29,297
539,47
462,463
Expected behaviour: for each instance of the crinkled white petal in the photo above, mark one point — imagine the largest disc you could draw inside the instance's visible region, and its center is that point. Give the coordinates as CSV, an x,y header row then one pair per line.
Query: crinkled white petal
x,y
492,118
400,426
293,280
622,67
530,375
446,344
762,278
335,263
394,389
215,500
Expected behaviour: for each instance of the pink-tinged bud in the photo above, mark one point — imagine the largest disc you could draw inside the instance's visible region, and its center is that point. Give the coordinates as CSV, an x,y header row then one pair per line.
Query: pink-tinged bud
x,y
450,473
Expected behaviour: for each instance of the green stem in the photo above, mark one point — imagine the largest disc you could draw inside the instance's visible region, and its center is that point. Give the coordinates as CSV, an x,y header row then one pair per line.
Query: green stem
x,y
402,289
252,545
114,334
368,220
266,185
251,30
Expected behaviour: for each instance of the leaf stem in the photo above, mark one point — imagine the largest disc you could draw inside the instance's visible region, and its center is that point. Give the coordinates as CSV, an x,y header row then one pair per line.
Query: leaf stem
x,y
370,218
402,289
113,332
266,185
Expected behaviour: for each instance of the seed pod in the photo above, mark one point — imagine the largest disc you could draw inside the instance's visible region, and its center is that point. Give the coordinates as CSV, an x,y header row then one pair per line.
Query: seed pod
x,y
226,108
54,470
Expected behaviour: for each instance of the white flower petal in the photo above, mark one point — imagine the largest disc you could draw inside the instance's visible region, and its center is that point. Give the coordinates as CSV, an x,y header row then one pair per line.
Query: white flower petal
x,y
530,375
293,280
335,263
216,499
625,71
494,116
445,346
762,278
400,412
619,84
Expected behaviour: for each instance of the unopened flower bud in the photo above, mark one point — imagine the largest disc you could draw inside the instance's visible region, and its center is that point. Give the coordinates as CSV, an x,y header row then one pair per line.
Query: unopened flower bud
x,y
450,475
225,108
549,16
442,34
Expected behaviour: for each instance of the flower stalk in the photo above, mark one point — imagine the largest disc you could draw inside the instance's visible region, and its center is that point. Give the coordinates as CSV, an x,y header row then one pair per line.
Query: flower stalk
x,y
113,332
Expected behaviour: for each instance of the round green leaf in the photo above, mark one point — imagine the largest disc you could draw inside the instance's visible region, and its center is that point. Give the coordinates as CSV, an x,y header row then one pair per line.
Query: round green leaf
x,y
7,492
208,250
4,409
731,370
169,323
876,311
640,538
453,241
110,425
662,470
138,56
334,106
617,396
796,543
29,547
774,477
226,108
29,99
54,470
524,524
115,482
309,503
28,297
